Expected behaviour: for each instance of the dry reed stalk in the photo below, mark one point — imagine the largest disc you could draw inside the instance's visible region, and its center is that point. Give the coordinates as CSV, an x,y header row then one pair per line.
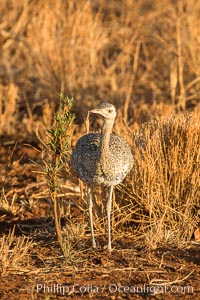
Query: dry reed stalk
x,y
182,99
131,81
8,108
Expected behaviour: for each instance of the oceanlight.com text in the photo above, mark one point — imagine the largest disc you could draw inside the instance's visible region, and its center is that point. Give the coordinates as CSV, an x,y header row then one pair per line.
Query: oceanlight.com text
x,y
111,288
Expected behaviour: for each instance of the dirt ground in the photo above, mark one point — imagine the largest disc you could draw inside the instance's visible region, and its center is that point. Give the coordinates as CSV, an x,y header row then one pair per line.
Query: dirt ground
x,y
129,272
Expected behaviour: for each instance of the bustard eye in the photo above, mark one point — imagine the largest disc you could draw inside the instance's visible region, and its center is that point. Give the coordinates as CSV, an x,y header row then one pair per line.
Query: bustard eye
x,y
110,110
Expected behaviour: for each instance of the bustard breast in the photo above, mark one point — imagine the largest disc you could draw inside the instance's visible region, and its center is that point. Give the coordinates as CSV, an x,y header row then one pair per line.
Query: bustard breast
x,y
92,168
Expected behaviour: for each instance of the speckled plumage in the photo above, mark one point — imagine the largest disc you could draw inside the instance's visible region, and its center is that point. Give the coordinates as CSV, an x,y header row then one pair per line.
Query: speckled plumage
x,y
86,160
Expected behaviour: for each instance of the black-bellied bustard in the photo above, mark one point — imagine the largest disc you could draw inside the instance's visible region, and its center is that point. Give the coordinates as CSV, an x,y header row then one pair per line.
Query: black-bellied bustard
x,y
102,159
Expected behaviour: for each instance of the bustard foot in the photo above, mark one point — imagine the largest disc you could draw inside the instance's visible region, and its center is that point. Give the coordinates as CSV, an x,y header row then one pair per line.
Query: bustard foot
x,y
94,245
109,249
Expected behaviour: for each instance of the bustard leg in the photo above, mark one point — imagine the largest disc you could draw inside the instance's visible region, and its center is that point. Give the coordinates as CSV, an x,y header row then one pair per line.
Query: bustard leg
x,y
108,207
90,205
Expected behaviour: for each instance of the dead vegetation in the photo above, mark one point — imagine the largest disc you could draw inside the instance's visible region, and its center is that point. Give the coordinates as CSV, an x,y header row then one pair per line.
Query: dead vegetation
x,y
13,251
142,56
127,52
164,187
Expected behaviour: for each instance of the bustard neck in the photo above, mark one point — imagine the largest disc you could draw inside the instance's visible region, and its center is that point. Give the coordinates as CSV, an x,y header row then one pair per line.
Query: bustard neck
x,y
105,135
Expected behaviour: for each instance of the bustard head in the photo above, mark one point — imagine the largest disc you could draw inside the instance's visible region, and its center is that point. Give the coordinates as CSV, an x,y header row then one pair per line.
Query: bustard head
x,y
106,110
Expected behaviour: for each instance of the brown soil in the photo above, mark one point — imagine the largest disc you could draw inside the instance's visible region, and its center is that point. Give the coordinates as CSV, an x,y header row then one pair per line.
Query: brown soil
x,y
130,271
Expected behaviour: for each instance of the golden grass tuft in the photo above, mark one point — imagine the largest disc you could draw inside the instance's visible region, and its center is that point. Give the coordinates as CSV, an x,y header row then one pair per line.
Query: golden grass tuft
x,y
164,187
13,251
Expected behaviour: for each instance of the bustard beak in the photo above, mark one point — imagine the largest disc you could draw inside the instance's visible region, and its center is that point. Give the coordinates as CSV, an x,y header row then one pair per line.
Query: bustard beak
x,y
96,111
103,113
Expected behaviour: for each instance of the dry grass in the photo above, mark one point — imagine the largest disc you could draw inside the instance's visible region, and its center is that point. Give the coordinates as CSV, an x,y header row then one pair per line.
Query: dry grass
x,y
13,251
7,207
164,187
128,52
